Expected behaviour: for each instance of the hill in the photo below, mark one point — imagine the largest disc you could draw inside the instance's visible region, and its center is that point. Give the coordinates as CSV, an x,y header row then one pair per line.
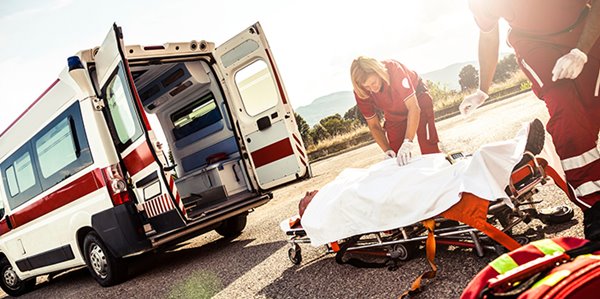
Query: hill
x,y
337,102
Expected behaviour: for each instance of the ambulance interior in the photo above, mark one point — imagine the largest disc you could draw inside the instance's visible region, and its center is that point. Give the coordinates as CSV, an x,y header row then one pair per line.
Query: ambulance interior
x,y
187,100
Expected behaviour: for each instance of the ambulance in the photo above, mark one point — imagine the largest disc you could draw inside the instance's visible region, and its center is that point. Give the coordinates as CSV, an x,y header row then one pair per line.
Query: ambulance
x,y
135,148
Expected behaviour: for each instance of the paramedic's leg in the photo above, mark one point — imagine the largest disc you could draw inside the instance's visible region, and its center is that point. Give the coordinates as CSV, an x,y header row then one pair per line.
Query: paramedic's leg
x,y
426,132
574,124
472,211
574,109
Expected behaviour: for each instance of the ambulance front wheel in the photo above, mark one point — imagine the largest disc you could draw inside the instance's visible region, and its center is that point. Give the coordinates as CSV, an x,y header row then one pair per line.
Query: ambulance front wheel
x,y
11,283
107,269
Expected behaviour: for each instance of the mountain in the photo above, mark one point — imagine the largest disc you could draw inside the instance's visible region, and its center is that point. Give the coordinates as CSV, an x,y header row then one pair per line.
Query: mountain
x,y
448,76
337,102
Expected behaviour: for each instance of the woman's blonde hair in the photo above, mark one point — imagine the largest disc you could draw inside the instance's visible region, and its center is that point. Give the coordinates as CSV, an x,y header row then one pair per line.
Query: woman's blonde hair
x,y
360,70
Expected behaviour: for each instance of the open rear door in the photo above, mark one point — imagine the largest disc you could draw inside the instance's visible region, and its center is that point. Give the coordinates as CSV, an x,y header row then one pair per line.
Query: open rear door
x,y
263,116
133,137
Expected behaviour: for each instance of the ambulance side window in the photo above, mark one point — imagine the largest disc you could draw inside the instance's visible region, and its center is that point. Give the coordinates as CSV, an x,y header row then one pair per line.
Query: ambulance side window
x,y
20,183
257,88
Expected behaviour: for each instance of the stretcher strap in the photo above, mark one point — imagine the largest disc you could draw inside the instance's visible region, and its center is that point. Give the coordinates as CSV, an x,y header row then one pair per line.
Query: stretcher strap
x,y
430,250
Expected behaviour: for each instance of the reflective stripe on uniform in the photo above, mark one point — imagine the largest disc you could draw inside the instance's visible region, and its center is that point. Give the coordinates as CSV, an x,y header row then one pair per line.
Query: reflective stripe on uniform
x,y
587,188
552,279
581,160
503,264
547,246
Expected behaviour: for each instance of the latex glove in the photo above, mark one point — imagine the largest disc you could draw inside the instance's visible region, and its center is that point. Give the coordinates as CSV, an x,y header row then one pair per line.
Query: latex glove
x,y
406,151
569,66
471,102
390,154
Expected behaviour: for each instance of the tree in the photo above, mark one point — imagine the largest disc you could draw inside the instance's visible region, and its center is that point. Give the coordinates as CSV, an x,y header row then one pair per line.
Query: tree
x,y
318,133
505,68
304,129
468,78
335,125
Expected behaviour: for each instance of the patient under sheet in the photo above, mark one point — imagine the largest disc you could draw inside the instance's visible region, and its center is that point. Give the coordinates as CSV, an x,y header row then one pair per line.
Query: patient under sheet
x,y
386,196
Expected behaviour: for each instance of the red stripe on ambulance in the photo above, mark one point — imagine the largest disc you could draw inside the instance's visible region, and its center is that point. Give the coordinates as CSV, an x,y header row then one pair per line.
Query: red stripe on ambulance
x,y
138,159
71,192
272,152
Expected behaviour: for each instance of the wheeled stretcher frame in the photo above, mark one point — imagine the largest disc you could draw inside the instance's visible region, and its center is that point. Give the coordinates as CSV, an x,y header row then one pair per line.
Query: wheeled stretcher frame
x,y
402,243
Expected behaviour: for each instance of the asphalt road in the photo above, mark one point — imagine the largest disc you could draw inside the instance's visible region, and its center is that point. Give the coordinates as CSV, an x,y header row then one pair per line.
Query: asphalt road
x,y
255,265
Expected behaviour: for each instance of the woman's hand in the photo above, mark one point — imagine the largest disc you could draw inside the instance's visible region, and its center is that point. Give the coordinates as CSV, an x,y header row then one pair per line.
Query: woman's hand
x,y
389,154
405,152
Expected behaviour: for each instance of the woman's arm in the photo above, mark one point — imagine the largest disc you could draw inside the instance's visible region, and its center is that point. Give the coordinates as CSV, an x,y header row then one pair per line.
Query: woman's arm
x,y
378,133
413,118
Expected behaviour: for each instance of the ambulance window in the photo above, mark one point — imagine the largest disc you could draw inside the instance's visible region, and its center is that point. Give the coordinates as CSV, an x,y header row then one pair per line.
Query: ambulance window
x,y
56,149
11,178
122,111
195,116
20,175
257,88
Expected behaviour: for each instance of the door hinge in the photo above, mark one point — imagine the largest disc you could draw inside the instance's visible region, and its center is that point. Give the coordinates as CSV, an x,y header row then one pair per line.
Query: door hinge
x,y
97,103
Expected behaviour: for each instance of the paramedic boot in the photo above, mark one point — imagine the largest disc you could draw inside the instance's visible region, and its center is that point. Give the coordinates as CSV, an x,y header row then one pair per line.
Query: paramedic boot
x,y
591,222
535,141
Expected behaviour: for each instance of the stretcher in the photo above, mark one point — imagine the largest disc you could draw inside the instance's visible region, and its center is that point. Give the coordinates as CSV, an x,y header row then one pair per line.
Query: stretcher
x,y
472,222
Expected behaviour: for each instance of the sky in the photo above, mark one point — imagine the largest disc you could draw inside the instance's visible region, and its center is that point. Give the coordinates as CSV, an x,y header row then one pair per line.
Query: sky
x,y
313,42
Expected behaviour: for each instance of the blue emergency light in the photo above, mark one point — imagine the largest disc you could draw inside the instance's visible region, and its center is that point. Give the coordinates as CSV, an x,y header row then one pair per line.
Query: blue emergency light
x,y
74,63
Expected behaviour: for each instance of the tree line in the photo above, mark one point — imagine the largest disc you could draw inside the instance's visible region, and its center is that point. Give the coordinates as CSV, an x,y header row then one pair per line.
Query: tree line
x,y
336,124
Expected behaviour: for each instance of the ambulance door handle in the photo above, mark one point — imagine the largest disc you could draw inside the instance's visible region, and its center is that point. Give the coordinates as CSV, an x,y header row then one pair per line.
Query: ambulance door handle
x,y
263,123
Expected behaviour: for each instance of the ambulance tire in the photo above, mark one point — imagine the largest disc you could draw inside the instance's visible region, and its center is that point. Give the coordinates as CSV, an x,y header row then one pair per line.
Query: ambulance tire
x,y
233,226
107,269
10,282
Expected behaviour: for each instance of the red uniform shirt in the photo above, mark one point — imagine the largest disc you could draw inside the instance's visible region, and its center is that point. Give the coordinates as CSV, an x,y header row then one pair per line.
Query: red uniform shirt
x,y
533,16
391,98
541,32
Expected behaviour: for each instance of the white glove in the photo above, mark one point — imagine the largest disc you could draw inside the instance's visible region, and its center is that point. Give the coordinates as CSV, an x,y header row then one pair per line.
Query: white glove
x,y
406,151
569,66
390,154
471,102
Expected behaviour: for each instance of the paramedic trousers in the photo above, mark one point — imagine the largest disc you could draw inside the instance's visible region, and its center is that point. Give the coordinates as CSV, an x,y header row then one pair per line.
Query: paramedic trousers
x,y
426,131
574,108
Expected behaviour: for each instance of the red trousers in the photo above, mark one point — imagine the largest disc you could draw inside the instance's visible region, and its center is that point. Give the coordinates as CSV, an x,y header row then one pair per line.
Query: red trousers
x,y
574,108
426,131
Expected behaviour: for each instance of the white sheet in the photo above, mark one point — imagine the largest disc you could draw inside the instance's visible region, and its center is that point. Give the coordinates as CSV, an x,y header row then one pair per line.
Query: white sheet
x,y
386,196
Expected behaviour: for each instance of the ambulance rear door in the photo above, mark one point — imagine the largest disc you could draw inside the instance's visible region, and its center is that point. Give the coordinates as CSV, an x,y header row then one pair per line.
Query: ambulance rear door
x,y
261,112
133,137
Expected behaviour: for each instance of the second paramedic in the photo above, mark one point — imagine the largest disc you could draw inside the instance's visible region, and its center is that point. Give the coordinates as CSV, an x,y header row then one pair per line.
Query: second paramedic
x,y
558,48
407,107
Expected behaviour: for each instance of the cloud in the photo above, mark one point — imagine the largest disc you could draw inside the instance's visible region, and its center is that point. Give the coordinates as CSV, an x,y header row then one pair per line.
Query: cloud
x,y
17,9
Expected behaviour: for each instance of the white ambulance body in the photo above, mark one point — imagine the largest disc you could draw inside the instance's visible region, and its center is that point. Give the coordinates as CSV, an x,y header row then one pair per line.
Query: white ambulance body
x,y
85,180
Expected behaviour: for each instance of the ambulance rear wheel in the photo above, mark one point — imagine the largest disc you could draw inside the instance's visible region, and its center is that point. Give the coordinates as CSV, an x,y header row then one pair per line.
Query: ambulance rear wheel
x,y
11,283
233,226
107,269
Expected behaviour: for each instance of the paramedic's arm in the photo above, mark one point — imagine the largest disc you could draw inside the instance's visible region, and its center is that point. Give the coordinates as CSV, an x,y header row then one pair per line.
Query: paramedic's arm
x,y
591,29
488,57
378,133
414,115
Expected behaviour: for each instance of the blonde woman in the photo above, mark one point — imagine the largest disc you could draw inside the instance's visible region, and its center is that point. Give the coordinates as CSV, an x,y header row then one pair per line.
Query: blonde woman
x,y
407,107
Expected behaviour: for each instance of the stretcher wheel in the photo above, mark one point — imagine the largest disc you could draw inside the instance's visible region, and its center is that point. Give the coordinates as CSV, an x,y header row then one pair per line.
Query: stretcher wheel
x,y
403,251
557,215
295,254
